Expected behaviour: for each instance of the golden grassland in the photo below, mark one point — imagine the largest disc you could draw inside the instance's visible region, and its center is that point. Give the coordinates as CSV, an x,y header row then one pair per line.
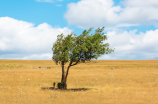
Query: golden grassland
x,y
95,82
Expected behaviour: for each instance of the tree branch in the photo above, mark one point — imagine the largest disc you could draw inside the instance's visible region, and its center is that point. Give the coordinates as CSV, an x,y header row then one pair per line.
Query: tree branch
x,y
74,63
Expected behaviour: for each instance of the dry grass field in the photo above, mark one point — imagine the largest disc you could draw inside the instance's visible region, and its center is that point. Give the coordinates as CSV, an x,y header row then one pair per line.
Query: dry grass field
x,y
96,82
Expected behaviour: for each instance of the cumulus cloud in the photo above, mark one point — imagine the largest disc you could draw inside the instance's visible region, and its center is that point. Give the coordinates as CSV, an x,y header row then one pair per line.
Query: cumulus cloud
x,y
129,45
20,39
94,13
141,3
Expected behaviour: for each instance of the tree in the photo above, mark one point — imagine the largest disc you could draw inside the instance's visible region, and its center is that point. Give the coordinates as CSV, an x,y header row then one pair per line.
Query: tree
x,y
75,49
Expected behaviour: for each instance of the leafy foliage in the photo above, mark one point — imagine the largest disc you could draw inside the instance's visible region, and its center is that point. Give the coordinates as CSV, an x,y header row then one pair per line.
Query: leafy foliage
x,y
85,47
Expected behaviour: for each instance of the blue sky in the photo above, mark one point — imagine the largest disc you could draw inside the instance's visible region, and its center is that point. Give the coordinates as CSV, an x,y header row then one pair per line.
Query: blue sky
x,y
28,28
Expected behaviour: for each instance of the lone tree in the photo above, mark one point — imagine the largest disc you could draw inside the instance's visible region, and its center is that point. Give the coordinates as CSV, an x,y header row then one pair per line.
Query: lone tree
x,y
75,49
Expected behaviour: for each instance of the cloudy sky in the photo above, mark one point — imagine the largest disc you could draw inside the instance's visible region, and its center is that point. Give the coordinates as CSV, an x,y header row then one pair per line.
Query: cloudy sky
x,y
28,28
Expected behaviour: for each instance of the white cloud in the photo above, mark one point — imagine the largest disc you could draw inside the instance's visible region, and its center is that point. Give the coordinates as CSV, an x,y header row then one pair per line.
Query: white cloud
x,y
129,45
141,3
22,39
94,13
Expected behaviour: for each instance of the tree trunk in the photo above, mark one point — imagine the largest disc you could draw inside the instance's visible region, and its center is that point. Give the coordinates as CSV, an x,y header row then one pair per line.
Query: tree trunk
x,y
63,71
63,84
